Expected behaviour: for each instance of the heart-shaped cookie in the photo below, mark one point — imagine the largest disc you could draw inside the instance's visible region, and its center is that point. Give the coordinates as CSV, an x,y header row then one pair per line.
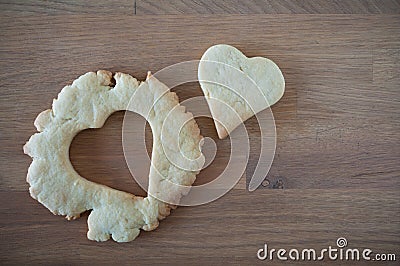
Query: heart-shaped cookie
x,y
236,82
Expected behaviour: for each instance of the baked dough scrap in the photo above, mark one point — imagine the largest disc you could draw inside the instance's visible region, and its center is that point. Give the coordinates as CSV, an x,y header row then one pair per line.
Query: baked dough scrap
x,y
248,85
87,103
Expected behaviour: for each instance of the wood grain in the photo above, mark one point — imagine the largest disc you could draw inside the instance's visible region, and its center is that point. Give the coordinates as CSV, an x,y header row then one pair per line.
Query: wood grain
x,y
229,230
56,7
337,134
268,7
149,7
338,120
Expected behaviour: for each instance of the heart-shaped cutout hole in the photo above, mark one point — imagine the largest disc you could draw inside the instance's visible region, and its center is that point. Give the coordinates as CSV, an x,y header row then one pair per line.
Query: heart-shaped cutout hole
x,y
97,154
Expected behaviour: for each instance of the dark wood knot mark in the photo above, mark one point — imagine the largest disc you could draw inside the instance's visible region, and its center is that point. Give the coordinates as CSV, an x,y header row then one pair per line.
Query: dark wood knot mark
x,y
265,183
278,183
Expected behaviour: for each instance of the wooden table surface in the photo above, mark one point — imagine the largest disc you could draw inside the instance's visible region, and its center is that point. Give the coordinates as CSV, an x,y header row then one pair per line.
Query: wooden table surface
x,y
338,125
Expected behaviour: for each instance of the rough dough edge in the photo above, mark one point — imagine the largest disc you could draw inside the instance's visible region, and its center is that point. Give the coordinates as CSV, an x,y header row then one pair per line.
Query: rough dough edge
x,y
45,118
